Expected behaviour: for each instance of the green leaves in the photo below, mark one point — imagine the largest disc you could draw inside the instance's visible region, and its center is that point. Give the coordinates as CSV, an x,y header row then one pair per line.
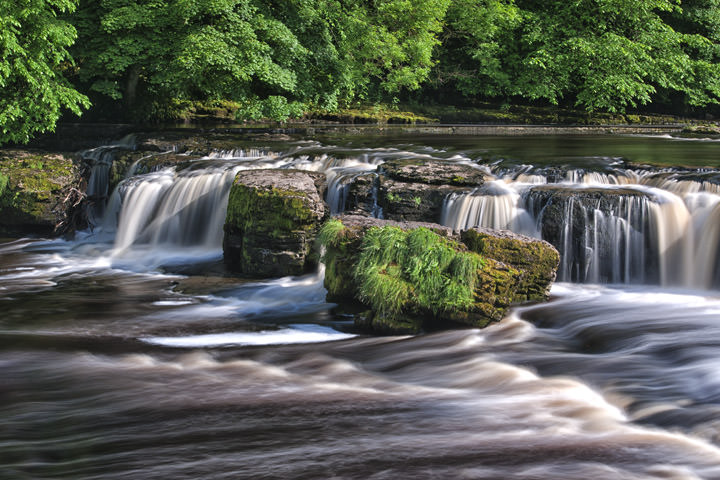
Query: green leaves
x,y
33,56
596,54
276,57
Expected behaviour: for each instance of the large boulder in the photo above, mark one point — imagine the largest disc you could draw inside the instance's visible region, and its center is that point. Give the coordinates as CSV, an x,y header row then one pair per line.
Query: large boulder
x,y
38,191
433,172
408,276
272,218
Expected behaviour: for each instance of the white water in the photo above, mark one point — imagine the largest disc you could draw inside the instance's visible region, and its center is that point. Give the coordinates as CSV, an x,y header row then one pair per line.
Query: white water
x,y
295,334
668,235
110,374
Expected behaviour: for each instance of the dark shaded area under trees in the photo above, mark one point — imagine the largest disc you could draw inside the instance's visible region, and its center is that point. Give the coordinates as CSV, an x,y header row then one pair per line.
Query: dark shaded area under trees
x,y
153,60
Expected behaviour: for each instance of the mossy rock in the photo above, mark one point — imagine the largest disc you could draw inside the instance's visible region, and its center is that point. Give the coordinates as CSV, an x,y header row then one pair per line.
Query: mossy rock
x,y
33,187
272,219
416,289
536,261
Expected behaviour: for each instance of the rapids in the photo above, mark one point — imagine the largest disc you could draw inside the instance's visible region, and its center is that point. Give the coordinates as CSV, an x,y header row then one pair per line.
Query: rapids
x,y
129,352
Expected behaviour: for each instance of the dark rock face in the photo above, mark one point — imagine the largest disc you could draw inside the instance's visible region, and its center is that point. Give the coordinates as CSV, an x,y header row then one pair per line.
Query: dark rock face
x,y
362,195
145,162
38,191
416,202
515,269
272,219
557,205
574,221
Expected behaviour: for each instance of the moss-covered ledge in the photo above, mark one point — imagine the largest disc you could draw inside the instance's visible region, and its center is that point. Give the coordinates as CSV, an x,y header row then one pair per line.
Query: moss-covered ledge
x,y
37,191
272,218
409,276
535,259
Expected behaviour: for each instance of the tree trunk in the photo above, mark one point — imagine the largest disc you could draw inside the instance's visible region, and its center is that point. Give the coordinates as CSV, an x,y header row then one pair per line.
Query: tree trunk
x,y
133,77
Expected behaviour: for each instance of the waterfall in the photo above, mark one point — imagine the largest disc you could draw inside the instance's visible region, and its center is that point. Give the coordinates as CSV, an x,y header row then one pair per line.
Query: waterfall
x,y
167,209
601,240
494,205
610,227
100,160
171,213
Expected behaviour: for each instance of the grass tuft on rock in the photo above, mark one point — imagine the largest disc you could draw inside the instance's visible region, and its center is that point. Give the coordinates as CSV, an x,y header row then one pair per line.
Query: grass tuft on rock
x,y
414,271
330,233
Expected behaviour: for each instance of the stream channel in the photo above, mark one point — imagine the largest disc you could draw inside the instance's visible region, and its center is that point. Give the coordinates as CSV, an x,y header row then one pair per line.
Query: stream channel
x,y
129,353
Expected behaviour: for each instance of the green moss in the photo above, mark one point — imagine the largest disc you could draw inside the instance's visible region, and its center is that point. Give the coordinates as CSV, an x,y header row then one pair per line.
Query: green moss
x,y
377,113
30,187
536,261
269,231
284,210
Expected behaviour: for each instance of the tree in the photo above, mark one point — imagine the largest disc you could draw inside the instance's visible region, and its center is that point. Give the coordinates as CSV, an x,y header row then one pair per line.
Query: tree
x,y
596,54
33,55
264,54
183,49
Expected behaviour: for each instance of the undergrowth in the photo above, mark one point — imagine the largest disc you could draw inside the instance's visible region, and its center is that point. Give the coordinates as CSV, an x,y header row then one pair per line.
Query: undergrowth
x,y
398,271
330,232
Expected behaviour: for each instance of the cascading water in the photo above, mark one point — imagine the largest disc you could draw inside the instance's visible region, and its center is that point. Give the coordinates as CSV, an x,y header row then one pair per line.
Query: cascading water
x,y
179,209
110,374
171,214
494,205
101,160
612,226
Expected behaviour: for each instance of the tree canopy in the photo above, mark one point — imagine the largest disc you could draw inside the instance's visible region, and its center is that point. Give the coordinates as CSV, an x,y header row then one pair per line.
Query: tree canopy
x,y
276,58
33,56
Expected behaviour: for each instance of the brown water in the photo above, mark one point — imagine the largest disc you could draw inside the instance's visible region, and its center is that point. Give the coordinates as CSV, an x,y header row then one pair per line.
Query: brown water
x,y
107,371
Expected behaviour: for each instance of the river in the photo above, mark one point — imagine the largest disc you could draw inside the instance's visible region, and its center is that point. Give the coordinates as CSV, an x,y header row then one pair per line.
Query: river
x,y
128,353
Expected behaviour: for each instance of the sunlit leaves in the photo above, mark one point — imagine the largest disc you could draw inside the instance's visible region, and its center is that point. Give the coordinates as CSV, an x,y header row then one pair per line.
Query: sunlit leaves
x,y
596,54
33,55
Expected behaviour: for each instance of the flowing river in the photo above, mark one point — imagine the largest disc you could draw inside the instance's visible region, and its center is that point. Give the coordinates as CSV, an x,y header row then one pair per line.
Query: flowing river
x,y
128,353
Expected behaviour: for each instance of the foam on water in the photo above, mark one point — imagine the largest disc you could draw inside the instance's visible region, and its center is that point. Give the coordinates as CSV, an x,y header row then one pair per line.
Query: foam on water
x,y
295,334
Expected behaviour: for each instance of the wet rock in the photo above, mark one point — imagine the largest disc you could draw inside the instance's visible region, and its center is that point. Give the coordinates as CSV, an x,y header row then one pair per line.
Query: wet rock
x,y
272,219
557,205
510,269
140,162
414,189
703,129
39,191
536,260
433,172
577,222
413,201
362,195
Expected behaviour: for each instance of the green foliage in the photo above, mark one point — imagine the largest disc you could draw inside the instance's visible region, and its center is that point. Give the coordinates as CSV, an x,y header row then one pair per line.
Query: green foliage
x,y
330,232
4,180
33,56
598,55
277,59
401,272
392,197
184,49
274,107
